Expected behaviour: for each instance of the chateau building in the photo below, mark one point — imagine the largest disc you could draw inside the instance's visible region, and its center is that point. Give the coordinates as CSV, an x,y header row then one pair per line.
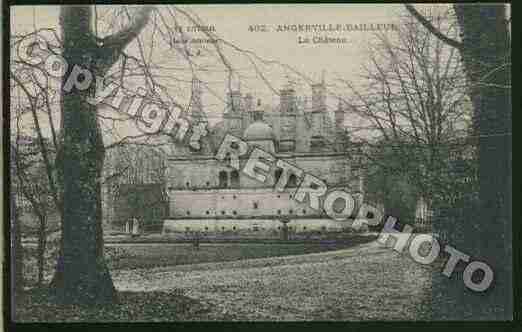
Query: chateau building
x,y
203,194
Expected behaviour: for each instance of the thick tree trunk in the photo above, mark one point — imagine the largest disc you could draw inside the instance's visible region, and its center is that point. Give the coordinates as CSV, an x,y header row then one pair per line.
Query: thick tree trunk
x,y
486,55
82,275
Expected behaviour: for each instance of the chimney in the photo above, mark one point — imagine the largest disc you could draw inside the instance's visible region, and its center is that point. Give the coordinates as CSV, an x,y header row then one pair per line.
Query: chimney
x,y
287,100
248,102
196,103
339,115
318,98
234,101
258,113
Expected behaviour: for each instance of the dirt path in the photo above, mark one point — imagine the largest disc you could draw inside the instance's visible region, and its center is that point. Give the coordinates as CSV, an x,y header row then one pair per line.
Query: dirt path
x,y
367,282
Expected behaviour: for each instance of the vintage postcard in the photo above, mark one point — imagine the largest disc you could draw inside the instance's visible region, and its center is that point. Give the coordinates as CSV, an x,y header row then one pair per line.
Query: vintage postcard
x,y
267,162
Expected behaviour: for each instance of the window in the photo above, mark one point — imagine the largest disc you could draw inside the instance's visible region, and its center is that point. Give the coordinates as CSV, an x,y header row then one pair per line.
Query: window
x,y
223,179
187,184
222,228
304,228
207,212
278,211
223,212
234,228
234,179
208,184
323,228
255,228
234,212
278,174
290,211
256,205
206,228
258,116
304,211
188,213
187,229
292,181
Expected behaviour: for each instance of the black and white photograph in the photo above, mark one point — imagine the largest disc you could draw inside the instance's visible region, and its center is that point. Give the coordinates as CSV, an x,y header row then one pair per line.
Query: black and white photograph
x,y
258,162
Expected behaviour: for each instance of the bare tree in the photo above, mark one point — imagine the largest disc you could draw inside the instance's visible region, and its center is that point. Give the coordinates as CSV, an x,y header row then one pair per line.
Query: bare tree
x,y
33,159
414,99
32,186
17,278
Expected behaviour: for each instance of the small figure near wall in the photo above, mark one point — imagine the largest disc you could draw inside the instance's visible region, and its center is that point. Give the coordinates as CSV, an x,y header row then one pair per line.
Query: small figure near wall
x,y
284,229
196,240
135,227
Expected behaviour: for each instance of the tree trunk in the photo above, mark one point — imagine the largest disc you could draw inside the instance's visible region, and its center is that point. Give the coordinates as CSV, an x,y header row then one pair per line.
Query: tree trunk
x,y
17,277
42,239
82,275
486,55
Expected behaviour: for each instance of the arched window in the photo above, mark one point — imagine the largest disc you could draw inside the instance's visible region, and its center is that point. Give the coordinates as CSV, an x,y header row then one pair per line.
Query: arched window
x,y
292,181
223,179
234,179
278,174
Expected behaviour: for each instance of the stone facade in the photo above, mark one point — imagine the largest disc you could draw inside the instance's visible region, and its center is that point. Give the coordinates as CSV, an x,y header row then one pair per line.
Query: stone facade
x,y
208,195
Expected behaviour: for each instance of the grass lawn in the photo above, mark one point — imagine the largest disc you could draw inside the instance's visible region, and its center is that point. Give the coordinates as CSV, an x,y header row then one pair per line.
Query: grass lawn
x,y
145,255
172,305
177,302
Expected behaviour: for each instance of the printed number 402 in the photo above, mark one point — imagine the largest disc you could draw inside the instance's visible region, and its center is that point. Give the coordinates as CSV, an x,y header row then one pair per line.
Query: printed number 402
x,y
257,28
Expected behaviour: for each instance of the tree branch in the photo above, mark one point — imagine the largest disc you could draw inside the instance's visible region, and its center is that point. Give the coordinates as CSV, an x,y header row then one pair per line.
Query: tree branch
x,y
121,39
427,24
